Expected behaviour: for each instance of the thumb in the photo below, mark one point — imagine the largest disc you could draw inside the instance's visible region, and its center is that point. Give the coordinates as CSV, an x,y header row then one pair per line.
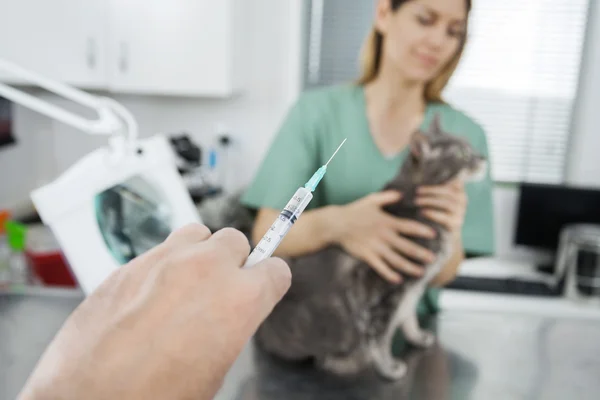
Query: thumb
x,y
386,197
270,278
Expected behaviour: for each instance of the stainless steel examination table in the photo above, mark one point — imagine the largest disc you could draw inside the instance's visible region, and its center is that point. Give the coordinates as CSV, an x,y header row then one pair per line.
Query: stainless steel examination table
x,y
486,356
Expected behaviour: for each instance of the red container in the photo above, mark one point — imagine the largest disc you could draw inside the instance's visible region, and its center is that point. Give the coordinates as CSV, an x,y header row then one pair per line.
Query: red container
x,y
51,269
46,259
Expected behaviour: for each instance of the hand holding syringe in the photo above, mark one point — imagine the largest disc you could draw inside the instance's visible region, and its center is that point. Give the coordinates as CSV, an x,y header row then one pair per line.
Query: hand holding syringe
x,y
288,216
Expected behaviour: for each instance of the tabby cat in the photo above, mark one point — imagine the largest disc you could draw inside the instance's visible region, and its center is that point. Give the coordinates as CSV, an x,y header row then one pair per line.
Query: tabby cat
x,y
339,312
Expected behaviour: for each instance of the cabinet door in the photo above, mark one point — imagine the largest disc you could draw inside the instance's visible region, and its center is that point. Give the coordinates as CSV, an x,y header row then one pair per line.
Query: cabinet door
x,y
175,47
60,39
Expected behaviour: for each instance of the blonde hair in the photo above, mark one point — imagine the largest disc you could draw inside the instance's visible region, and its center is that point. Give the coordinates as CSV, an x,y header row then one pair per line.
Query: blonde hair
x,y
372,53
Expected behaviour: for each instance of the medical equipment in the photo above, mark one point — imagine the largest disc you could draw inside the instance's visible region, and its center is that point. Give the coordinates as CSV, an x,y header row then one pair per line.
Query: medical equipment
x,y
117,201
288,216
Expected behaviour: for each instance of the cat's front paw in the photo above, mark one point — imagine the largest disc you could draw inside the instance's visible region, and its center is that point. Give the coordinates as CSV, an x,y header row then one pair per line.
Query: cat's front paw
x,y
392,370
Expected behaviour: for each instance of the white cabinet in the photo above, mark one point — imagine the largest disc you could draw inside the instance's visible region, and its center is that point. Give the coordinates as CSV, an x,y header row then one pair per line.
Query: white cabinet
x,y
161,47
62,39
181,47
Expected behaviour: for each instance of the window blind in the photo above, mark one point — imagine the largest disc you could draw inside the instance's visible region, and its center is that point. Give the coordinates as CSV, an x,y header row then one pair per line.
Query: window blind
x,y
518,76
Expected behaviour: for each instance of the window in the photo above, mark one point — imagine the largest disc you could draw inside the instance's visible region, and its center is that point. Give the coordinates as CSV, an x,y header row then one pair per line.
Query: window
x,y
518,77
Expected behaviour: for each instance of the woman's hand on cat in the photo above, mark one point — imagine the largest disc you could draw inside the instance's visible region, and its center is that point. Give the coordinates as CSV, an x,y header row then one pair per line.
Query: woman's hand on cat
x,y
444,204
370,234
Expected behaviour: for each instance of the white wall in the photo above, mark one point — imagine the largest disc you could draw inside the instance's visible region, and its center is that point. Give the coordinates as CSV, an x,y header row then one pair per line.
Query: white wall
x,y
584,165
22,164
274,67
273,71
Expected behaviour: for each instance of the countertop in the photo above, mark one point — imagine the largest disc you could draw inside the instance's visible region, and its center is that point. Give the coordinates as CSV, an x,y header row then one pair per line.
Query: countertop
x,y
481,354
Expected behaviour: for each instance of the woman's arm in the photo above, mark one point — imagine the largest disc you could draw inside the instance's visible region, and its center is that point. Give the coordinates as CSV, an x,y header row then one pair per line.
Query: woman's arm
x,y
315,230
320,228
362,228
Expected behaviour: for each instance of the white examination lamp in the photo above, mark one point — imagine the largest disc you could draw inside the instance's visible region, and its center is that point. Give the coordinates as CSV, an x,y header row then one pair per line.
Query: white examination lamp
x,y
117,201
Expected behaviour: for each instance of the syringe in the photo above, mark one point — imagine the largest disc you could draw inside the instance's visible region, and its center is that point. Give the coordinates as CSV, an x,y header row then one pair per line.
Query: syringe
x,y
288,216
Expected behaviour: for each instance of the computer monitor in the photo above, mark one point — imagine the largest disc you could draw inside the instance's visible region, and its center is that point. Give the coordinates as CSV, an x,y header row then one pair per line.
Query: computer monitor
x,y
545,209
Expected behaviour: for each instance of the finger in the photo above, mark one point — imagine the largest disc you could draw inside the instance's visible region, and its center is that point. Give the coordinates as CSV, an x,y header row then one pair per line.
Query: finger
x,y
456,187
384,270
229,246
410,249
444,219
457,184
440,203
400,263
410,227
438,191
385,198
268,281
189,234
455,200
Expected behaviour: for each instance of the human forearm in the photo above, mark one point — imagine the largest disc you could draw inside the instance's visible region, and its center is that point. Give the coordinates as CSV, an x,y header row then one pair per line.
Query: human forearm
x,y
165,325
450,270
315,230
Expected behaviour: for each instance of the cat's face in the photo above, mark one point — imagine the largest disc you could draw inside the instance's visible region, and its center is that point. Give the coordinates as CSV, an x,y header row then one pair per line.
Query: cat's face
x,y
441,157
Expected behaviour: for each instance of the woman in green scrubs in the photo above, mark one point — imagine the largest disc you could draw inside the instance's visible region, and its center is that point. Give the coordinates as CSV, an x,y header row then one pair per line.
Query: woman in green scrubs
x,y
411,53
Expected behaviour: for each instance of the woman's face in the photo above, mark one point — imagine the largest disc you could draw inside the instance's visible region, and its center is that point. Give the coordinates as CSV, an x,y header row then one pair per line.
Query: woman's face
x,y
421,36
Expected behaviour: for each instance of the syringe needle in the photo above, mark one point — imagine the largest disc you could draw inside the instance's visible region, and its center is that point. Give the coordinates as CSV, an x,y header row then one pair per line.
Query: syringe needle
x,y
338,149
296,205
317,176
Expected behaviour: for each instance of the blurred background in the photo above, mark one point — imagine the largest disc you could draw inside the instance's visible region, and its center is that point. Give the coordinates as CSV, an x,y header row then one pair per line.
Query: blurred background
x,y
218,78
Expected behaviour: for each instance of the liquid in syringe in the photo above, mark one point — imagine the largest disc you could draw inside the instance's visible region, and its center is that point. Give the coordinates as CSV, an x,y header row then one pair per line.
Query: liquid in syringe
x,y
288,216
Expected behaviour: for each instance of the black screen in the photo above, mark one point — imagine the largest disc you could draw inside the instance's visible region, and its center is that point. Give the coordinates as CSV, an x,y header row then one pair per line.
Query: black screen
x,y
545,209
6,135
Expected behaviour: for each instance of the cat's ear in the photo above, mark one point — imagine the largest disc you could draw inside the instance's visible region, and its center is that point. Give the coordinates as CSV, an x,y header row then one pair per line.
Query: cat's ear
x,y
419,146
435,129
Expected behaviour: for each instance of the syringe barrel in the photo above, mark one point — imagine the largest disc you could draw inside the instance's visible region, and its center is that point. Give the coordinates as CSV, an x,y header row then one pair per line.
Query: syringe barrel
x,y
280,227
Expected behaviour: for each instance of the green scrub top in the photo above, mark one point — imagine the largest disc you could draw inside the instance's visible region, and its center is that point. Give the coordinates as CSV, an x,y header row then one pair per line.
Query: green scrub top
x,y
316,125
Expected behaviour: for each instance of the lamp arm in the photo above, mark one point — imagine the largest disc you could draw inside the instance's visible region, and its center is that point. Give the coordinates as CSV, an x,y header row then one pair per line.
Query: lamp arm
x,y
113,118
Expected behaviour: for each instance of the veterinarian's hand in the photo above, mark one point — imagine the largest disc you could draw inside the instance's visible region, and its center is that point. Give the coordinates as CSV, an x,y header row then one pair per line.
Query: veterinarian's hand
x,y
445,204
380,239
168,325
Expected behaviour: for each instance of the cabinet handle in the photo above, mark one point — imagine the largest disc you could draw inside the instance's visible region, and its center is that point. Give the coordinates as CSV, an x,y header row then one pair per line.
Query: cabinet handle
x,y
123,58
91,53
315,37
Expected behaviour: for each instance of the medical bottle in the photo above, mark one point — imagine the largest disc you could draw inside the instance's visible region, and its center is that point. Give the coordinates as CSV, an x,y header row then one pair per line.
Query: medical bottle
x,y
18,265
